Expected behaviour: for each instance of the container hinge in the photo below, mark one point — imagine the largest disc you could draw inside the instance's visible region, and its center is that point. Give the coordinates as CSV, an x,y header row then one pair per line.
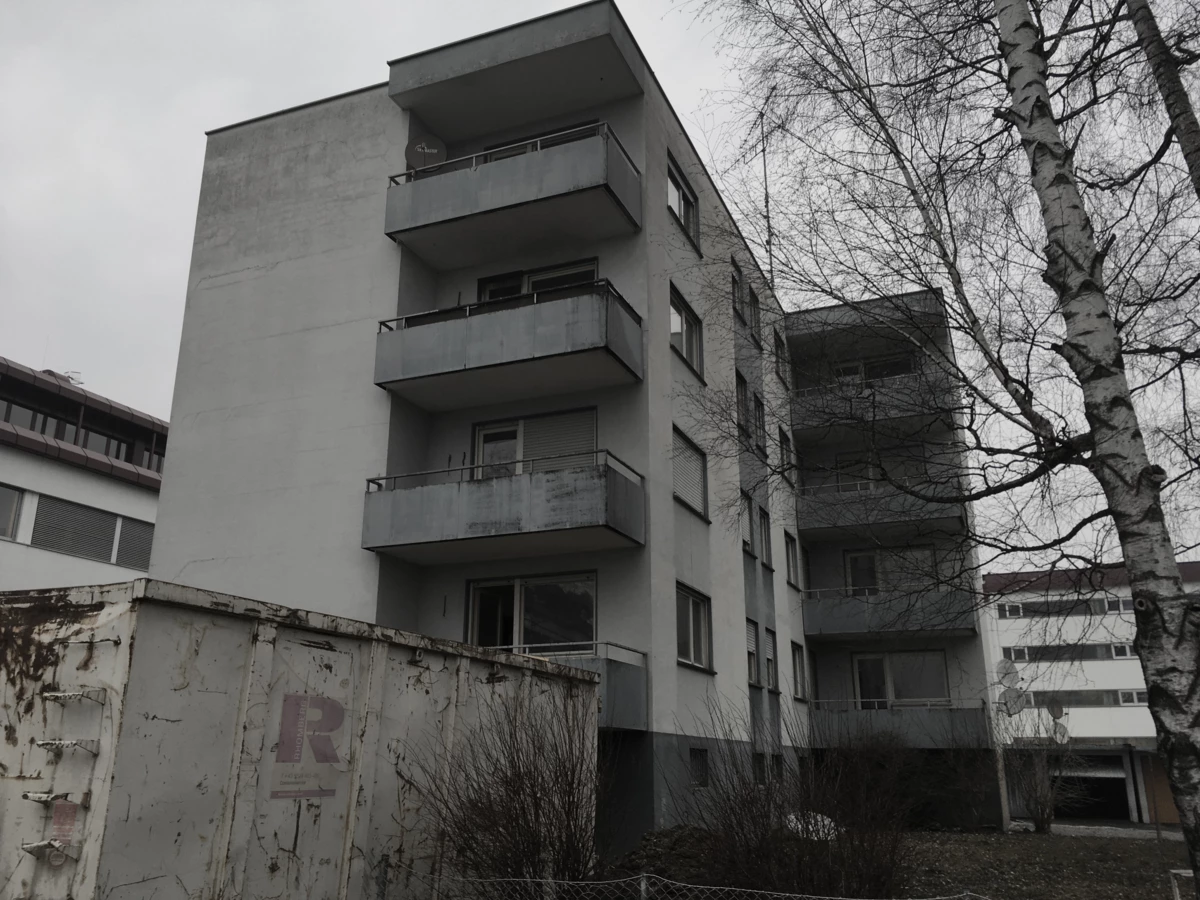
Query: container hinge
x,y
92,747
96,695
44,799
54,852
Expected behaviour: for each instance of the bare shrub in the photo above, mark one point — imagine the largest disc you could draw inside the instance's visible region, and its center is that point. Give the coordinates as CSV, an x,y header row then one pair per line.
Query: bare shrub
x,y
828,822
515,795
1043,780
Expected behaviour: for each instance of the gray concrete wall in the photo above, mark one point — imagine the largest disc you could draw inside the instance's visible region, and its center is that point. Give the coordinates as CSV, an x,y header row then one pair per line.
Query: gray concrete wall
x,y
276,421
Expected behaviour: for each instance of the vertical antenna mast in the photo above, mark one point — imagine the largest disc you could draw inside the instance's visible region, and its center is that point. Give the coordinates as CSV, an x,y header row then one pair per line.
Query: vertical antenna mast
x,y
762,125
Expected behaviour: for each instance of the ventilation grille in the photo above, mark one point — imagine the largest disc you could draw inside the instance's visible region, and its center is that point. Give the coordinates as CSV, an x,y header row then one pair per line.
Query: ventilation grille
x,y
71,528
133,549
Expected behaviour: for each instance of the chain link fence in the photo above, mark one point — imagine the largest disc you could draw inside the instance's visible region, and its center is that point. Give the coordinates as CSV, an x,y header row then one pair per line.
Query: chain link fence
x,y
638,887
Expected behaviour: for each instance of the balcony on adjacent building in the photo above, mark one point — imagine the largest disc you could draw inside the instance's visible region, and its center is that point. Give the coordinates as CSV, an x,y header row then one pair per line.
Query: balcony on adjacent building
x,y
833,503
624,702
566,340
575,186
533,507
895,405
921,724
888,611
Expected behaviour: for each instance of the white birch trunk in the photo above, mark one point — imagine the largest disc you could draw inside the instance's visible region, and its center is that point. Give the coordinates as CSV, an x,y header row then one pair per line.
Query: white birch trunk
x,y
1170,86
1168,637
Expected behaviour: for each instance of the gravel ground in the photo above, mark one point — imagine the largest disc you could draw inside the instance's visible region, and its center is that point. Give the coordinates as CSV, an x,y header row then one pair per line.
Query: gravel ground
x,y
1043,867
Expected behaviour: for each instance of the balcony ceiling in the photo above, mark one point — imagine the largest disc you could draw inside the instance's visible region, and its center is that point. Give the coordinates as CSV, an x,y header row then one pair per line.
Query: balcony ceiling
x,y
512,546
507,79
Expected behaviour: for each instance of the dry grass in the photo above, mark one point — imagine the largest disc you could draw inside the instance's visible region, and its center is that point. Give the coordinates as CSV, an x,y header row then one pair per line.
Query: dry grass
x,y
1044,867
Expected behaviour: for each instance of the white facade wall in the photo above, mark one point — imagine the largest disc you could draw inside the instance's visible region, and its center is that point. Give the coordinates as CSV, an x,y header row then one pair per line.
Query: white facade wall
x,y
23,566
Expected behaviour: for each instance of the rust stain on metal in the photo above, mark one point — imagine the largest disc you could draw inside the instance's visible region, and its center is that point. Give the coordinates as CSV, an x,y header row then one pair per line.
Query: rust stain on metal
x,y
29,627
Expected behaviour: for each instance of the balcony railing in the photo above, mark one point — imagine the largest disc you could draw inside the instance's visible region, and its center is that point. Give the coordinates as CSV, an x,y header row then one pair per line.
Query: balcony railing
x,y
534,145
848,387
858,485
602,287
592,649
506,469
932,703
928,724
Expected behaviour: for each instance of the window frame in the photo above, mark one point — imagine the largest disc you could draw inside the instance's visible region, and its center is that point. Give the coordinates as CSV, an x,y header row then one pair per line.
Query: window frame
x,y
518,583
753,655
695,599
764,537
702,779
688,316
676,179
799,673
760,425
770,651
742,401
787,457
746,524
754,306
703,513
890,700
782,360
15,518
791,555
737,288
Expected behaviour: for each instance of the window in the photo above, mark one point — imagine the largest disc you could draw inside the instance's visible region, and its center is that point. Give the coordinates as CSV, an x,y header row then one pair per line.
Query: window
x,y
548,614
764,535
1069,652
743,403
693,625
799,674
689,473
1123,651
1119,605
536,444
698,766
777,766
772,662
782,367
758,763
74,529
133,545
686,332
1080,698
760,426
752,651
1010,610
562,280
754,308
1135,698
862,573
792,556
736,291
681,200
10,505
787,457
746,522
882,680
1016,654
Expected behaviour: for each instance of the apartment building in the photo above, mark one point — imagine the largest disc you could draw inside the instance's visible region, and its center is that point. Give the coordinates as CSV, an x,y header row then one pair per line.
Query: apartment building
x,y
890,620
439,366
79,482
1066,676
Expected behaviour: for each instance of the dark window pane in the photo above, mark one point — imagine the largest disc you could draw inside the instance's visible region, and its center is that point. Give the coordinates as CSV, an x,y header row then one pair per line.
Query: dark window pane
x,y
10,502
559,612
20,416
94,441
683,625
68,433
494,615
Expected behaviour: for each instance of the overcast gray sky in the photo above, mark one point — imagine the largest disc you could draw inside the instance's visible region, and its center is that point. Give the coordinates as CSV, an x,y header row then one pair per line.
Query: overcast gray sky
x,y
104,108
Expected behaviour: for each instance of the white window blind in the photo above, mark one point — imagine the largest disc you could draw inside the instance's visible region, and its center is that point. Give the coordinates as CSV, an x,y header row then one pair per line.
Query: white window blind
x,y
688,474
747,523
569,438
751,636
71,528
133,547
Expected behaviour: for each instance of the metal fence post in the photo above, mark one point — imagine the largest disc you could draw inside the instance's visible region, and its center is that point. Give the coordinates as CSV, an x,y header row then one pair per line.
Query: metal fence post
x,y
644,886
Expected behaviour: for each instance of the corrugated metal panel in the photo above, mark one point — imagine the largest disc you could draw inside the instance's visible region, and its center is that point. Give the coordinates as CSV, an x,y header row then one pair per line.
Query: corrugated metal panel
x,y
71,528
687,473
133,548
570,438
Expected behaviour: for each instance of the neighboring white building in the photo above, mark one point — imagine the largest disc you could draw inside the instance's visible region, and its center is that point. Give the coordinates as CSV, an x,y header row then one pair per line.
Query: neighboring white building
x,y
79,480
1069,635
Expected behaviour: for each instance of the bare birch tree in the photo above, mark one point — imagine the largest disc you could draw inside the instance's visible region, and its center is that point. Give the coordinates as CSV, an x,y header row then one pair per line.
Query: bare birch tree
x,y
1004,156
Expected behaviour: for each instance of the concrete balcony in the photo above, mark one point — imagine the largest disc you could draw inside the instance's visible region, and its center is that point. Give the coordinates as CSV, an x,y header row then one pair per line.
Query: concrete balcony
x,y
536,345
624,702
886,405
581,503
832,507
921,724
888,612
577,186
